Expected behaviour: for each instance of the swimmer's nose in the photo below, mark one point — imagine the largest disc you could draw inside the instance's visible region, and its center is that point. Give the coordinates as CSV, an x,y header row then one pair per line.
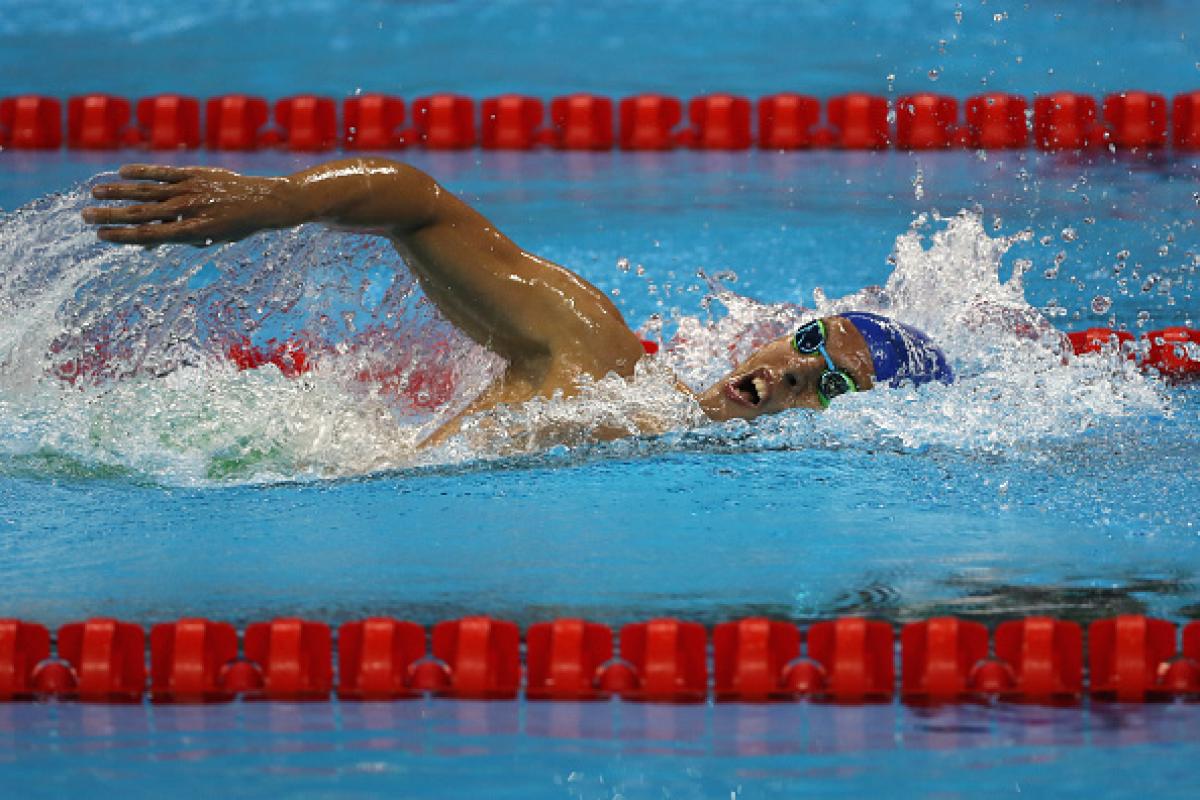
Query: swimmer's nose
x,y
791,380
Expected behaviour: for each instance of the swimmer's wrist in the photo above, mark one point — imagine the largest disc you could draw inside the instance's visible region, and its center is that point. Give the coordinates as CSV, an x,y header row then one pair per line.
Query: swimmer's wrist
x,y
291,206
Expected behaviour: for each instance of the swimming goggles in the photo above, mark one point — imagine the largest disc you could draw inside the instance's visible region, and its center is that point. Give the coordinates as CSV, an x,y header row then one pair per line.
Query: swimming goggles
x,y
809,339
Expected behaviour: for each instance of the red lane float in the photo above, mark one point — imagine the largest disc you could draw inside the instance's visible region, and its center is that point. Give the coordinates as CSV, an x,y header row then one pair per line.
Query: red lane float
x,y
857,660
718,122
647,122
1185,112
788,121
1094,340
482,656
997,121
289,356
188,661
97,122
938,658
1136,119
564,659
107,658
294,656
376,657
444,122
1066,121
1174,353
31,122
1128,657
373,122
234,122
926,122
1043,658
858,121
1132,120
23,646
169,122
1131,658
668,660
512,122
307,123
582,122
751,659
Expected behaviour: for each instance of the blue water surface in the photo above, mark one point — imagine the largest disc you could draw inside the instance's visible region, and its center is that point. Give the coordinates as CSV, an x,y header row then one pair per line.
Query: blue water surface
x,y
1084,525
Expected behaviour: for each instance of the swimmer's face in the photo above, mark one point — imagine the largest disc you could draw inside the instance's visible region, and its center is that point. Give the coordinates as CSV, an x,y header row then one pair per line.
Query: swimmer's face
x,y
775,377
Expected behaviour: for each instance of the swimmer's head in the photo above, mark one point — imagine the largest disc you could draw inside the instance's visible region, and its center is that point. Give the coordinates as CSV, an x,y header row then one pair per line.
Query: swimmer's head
x,y
850,352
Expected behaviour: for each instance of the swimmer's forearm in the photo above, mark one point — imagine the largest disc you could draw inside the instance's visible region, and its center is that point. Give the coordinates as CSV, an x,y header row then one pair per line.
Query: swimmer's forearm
x,y
368,194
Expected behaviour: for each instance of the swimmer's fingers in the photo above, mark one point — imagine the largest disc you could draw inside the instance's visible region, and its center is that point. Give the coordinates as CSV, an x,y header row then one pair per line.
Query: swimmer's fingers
x,y
185,232
134,191
154,172
150,212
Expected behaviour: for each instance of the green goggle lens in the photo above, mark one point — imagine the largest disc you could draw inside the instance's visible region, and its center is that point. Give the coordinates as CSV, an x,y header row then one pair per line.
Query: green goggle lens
x,y
809,339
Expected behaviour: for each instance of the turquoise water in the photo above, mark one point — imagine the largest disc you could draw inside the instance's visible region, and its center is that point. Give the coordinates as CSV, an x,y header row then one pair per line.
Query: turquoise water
x,y
172,485
471,749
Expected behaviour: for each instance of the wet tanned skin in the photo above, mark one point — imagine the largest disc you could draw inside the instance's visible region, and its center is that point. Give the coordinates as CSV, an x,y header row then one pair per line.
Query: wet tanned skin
x,y
775,377
551,325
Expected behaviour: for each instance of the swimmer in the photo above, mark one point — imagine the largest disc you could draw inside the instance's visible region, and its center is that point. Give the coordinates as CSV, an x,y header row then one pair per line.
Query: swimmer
x,y
551,326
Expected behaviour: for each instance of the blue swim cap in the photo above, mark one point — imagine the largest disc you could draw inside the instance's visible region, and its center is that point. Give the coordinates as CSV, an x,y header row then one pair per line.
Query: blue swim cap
x,y
900,352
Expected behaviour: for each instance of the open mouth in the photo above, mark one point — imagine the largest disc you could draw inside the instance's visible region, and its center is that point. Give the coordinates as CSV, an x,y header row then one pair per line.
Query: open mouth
x,y
751,389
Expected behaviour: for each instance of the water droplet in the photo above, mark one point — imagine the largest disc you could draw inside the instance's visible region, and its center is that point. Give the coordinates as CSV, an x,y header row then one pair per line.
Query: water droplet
x,y
1046,240
1122,255
1069,235
1142,318
1051,273
958,15
1164,251
1000,17
1101,304
623,264
615,292
934,74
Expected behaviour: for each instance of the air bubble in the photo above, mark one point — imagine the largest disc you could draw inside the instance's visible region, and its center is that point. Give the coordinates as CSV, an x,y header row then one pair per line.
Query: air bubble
x,y
623,264
1069,235
1101,304
934,74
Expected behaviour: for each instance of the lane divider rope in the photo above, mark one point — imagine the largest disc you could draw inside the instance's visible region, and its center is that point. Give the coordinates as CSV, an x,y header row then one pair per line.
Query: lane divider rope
x,y
851,660
1128,120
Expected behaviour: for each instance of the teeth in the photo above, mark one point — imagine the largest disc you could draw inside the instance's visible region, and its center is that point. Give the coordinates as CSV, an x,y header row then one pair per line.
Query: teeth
x,y
760,386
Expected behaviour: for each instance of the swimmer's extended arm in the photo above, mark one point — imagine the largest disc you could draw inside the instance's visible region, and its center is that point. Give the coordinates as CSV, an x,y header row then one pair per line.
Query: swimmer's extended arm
x,y
527,309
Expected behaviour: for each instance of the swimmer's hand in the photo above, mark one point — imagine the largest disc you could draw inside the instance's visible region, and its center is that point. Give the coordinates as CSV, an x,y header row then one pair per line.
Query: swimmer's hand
x,y
190,205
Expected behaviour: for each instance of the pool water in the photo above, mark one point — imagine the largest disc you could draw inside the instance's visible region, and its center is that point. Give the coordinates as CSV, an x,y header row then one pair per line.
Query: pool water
x,y
166,483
